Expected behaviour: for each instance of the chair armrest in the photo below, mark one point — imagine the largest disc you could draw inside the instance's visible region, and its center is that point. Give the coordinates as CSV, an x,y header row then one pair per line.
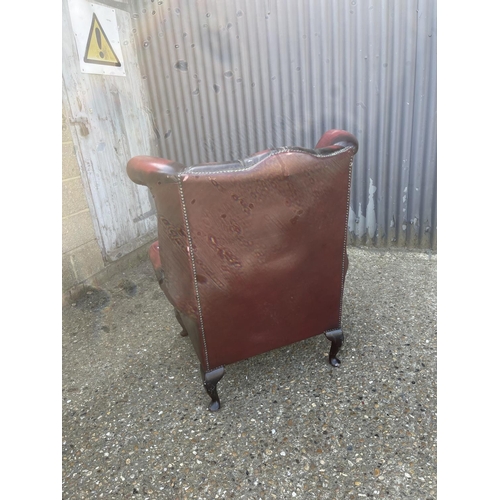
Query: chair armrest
x,y
338,138
147,170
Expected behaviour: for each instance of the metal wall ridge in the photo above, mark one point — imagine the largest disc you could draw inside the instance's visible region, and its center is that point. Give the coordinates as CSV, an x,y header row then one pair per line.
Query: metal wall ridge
x,y
230,78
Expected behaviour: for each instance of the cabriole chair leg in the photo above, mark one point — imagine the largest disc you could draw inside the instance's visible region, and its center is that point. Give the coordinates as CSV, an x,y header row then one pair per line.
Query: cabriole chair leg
x,y
210,380
184,333
336,337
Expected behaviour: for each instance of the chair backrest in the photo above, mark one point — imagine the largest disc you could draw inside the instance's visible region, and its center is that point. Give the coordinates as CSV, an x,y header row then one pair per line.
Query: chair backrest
x,y
253,252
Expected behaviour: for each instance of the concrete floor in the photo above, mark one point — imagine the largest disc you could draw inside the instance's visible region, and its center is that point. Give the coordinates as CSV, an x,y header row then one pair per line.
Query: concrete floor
x,y
135,423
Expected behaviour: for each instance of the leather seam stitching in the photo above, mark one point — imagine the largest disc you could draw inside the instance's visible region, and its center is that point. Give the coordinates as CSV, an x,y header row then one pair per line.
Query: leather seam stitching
x,y
193,266
274,153
345,241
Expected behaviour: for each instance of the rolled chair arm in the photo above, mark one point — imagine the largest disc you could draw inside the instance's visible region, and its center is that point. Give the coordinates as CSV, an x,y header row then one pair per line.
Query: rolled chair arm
x,y
146,170
338,138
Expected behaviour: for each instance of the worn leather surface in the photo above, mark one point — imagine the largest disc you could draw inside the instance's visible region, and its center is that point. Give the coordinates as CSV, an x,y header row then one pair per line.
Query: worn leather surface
x,y
267,237
182,298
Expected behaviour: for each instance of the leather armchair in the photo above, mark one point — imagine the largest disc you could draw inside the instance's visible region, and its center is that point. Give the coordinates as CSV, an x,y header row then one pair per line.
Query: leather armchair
x,y
252,254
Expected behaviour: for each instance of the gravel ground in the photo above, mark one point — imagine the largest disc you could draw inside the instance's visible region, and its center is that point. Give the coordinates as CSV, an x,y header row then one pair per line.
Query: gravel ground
x,y
134,412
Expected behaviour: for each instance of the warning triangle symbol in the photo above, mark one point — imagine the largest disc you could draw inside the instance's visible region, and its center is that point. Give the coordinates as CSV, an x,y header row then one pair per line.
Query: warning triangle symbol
x,y
99,50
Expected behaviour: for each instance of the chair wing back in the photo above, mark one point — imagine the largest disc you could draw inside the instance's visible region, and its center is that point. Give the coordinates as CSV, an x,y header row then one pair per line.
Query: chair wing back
x,y
253,253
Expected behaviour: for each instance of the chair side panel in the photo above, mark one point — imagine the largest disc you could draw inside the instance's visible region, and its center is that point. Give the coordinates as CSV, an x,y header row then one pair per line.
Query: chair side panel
x,y
269,246
177,284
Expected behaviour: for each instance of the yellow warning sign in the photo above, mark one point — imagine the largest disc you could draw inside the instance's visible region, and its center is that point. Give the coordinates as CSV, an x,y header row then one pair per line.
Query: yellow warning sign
x,y
99,50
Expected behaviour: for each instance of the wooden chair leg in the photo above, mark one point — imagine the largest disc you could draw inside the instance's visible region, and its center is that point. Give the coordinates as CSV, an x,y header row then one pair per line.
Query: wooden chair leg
x,y
210,380
184,332
336,337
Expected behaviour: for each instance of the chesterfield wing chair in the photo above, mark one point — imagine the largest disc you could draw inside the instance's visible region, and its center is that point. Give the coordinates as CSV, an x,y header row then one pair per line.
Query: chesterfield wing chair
x,y
252,254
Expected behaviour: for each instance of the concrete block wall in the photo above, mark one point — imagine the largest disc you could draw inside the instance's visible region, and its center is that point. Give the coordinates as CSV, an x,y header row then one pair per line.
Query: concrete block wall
x,y
83,264
81,255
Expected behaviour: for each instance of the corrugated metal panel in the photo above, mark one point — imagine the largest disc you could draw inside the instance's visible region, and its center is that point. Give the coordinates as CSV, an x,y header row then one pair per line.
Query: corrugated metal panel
x,y
230,78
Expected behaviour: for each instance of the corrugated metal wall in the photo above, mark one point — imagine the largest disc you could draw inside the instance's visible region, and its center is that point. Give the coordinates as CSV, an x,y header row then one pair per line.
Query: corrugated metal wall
x,y
228,78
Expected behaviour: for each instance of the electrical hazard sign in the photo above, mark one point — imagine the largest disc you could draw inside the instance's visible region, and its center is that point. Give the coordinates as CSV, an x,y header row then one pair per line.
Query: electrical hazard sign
x,y
97,38
99,50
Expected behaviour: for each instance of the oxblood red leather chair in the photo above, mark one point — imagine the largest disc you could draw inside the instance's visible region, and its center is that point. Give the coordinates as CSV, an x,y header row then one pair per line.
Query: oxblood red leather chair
x,y
252,254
